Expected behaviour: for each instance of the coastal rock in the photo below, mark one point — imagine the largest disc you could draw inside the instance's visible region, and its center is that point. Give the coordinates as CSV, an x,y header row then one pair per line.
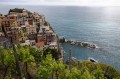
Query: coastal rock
x,y
78,43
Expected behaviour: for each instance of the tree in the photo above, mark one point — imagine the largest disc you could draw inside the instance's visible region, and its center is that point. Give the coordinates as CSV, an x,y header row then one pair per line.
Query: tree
x,y
17,61
75,74
26,57
98,73
45,70
86,74
8,61
2,55
50,68
37,54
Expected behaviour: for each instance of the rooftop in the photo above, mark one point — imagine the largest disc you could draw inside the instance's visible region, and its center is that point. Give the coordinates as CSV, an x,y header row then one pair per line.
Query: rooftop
x,y
40,44
8,19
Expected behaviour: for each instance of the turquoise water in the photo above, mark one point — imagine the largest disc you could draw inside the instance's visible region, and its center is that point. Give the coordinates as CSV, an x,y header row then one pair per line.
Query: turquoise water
x,y
97,25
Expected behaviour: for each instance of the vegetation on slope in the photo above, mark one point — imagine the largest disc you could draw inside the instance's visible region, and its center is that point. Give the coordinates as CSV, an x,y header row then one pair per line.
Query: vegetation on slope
x,y
17,10
44,64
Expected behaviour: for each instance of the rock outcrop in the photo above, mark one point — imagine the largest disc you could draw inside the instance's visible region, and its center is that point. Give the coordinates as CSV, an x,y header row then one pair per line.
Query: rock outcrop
x,y
78,43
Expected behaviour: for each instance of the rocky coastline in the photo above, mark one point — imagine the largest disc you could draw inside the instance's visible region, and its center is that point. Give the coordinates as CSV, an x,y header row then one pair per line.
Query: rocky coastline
x,y
78,43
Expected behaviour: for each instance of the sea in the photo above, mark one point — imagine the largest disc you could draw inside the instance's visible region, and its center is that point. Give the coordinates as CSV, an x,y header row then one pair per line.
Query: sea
x,y
95,25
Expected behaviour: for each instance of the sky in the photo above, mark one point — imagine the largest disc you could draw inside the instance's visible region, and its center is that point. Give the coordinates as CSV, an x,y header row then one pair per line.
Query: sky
x,y
63,2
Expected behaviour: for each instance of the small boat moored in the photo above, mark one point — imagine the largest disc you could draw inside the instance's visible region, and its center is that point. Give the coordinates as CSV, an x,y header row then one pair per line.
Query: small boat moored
x,y
92,60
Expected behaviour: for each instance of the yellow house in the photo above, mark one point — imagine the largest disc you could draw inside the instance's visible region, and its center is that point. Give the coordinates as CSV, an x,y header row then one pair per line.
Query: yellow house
x,y
23,36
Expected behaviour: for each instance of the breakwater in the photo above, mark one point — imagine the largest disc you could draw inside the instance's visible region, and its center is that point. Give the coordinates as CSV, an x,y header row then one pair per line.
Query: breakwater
x,y
78,43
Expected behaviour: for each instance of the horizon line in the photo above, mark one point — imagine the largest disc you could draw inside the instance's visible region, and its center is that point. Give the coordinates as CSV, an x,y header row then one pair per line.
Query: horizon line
x,y
55,4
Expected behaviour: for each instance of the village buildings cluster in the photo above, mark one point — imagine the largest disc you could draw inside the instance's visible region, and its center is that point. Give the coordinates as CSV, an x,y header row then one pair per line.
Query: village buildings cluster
x,y
27,28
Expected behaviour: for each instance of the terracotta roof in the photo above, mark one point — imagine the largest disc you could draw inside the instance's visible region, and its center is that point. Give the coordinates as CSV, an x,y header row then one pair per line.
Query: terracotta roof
x,y
5,19
40,44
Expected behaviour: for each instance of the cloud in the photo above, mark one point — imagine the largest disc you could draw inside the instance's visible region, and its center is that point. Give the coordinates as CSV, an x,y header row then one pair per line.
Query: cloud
x,y
13,0
64,2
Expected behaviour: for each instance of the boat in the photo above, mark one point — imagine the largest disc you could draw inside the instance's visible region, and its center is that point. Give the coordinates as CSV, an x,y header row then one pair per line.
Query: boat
x,y
92,60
